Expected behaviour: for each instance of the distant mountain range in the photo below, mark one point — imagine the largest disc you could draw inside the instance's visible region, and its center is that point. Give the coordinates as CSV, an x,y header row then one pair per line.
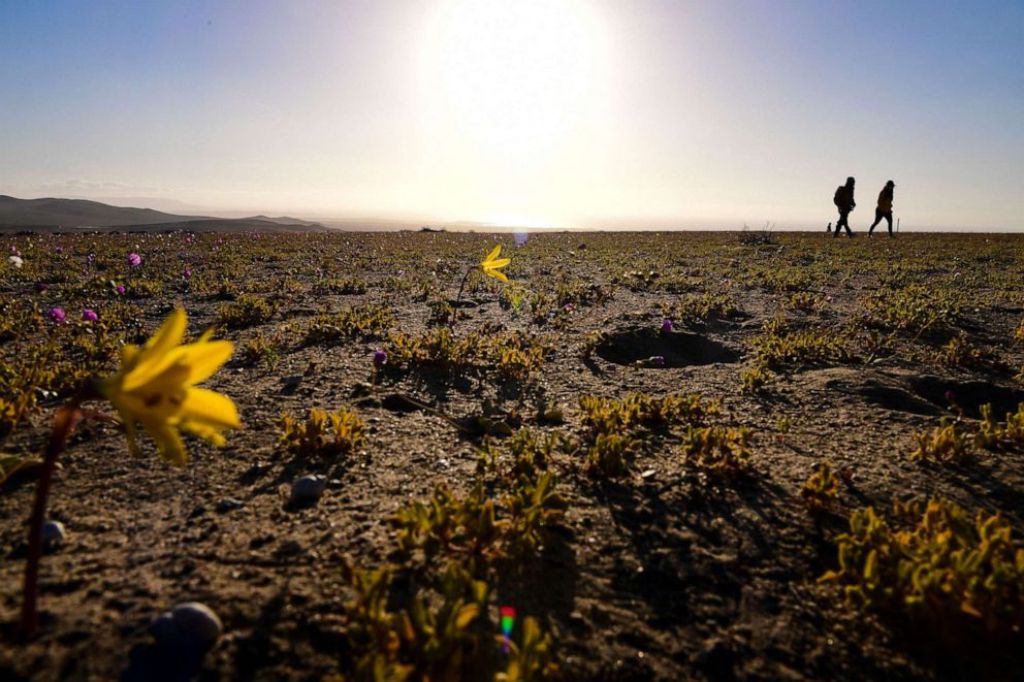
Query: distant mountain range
x,y
51,213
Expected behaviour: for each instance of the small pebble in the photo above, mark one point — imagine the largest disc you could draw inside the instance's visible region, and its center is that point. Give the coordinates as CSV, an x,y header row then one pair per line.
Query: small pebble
x,y
164,628
308,489
229,504
289,385
191,620
53,534
289,548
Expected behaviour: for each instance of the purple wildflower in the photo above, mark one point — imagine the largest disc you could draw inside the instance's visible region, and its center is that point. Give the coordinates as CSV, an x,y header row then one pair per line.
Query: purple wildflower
x,y
57,315
119,289
134,259
89,315
380,357
667,326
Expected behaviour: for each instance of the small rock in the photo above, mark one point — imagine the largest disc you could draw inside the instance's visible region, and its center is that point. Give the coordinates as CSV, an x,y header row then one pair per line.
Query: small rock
x,y
308,489
190,621
362,389
53,534
229,504
289,548
290,383
261,541
164,628
648,474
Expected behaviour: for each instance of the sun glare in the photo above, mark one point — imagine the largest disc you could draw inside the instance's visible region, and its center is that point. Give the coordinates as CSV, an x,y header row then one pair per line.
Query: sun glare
x,y
511,78
511,94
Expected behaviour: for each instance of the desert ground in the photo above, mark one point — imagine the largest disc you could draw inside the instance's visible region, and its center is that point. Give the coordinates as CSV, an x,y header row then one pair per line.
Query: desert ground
x,y
659,448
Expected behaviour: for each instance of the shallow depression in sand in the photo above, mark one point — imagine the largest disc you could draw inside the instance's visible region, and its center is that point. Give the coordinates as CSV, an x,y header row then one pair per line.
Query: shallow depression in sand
x,y
680,349
970,395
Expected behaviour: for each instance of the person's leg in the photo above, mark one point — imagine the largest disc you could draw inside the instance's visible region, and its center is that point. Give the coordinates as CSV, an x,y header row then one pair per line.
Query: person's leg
x,y
846,224
878,219
839,224
888,219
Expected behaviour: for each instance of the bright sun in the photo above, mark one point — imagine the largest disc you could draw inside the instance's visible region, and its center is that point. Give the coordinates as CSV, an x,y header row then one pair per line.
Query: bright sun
x,y
512,77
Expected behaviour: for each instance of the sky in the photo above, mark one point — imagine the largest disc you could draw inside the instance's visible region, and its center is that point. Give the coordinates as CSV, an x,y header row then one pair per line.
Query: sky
x,y
567,113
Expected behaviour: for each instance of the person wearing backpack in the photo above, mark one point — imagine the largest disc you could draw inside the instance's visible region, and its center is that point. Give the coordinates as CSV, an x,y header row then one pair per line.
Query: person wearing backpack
x,y
884,209
843,200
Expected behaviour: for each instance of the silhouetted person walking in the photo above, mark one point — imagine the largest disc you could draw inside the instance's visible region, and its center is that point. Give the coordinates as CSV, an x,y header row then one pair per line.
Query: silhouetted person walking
x,y
884,209
843,200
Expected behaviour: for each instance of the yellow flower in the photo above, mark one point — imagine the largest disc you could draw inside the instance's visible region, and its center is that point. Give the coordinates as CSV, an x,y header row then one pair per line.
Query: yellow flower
x,y
492,264
155,387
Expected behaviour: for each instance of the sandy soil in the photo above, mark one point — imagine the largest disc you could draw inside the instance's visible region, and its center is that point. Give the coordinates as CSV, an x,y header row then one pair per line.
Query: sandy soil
x,y
659,574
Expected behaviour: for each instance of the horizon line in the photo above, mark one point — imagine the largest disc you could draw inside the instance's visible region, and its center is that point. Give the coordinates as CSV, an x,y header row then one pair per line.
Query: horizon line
x,y
612,224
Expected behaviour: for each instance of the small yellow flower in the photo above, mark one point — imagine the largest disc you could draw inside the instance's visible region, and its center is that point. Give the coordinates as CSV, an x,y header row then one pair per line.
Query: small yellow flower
x,y
492,264
155,387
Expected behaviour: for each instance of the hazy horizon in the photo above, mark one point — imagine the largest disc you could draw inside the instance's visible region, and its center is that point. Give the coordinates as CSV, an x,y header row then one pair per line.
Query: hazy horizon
x,y
562,113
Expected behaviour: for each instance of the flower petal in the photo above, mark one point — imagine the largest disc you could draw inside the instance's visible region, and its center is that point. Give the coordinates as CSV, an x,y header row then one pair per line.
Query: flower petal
x,y
496,274
129,353
500,263
204,406
152,358
132,437
166,375
203,359
208,433
168,440
493,254
170,334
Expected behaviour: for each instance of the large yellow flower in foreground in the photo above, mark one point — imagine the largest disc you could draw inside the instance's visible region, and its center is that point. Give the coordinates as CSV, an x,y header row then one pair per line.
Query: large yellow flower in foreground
x,y
492,264
156,387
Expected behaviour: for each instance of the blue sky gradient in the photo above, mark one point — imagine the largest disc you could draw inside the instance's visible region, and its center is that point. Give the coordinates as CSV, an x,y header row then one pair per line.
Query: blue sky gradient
x,y
687,113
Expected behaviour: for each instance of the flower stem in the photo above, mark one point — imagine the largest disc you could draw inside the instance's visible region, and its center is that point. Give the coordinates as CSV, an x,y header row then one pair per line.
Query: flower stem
x,y
458,299
64,422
